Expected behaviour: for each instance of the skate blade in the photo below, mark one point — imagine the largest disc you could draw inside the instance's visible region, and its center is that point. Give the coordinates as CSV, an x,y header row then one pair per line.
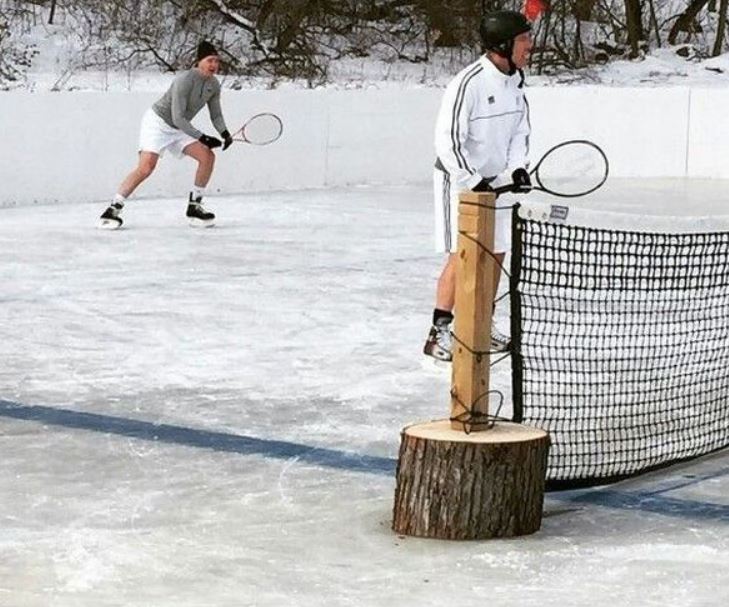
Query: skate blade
x,y
108,224
201,223
498,347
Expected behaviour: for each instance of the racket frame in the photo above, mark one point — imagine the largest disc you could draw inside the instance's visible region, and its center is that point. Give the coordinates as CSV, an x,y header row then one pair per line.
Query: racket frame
x,y
540,187
240,134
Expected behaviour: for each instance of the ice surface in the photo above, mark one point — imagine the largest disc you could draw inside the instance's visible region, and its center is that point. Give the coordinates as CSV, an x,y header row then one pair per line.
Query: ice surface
x,y
211,418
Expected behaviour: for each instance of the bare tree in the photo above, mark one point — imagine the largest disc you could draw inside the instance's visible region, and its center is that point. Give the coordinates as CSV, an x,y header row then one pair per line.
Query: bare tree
x,y
686,21
721,28
15,55
300,38
583,9
634,26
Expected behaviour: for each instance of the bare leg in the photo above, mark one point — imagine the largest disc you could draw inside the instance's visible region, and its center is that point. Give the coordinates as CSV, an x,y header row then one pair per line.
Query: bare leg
x,y
196,212
445,297
438,344
205,162
147,164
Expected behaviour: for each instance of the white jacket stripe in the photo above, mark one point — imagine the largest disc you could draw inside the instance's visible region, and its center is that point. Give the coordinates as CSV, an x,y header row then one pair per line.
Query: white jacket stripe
x,y
456,122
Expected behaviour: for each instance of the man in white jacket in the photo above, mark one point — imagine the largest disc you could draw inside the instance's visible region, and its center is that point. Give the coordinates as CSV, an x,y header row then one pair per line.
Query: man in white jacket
x,y
481,142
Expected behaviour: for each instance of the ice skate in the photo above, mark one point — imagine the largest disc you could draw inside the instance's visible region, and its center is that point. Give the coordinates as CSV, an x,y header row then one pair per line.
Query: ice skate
x,y
439,343
499,341
198,215
111,218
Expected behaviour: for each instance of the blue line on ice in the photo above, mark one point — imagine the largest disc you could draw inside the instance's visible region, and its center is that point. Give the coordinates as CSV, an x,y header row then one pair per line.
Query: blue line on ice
x,y
643,501
649,502
204,439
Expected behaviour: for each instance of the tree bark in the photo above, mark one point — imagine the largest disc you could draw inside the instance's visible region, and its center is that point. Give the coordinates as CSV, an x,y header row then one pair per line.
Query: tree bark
x,y
583,9
721,28
654,22
634,18
452,485
686,22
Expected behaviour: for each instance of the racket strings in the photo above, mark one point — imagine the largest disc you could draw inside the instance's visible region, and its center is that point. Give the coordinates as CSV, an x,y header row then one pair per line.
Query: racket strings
x,y
262,129
572,165
572,169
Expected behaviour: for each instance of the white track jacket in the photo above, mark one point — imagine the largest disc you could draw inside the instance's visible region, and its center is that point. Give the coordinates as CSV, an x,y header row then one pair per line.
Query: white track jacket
x,y
483,126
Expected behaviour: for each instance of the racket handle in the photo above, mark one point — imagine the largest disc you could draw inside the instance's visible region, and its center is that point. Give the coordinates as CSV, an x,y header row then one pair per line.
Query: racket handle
x,y
483,186
503,189
227,139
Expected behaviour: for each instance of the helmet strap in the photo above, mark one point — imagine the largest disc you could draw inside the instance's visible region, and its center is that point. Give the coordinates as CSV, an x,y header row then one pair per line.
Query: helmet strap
x,y
510,49
506,51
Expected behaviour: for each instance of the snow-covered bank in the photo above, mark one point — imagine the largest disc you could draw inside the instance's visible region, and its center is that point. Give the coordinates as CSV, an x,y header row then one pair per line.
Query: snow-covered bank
x,y
72,146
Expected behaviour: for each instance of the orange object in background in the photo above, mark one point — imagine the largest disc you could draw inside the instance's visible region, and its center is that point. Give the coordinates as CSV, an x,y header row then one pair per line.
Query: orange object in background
x,y
534,8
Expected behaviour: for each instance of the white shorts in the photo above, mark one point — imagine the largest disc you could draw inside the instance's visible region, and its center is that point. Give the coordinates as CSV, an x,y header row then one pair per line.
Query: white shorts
x,y
155,135
445,197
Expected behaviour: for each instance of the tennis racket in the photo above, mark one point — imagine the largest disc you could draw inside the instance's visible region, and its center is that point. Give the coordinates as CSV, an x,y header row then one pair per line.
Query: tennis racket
x,y
260,129
569,169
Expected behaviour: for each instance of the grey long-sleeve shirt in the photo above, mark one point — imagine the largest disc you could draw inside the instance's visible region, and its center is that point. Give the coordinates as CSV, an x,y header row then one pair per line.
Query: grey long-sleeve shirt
x,y
187,94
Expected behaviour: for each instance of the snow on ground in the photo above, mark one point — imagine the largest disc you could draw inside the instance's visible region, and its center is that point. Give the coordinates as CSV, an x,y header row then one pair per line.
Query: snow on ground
x,y
56,67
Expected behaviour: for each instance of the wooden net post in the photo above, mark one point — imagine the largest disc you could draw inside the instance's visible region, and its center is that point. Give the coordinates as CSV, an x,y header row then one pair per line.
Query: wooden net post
x,y
474,300
469,477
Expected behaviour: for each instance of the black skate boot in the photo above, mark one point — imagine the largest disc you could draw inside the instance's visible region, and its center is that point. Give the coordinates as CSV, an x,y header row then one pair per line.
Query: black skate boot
x,y
111,218
198,215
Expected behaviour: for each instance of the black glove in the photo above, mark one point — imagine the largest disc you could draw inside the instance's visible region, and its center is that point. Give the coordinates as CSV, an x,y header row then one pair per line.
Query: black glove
x,y
211,142
522,182
483,186
227,139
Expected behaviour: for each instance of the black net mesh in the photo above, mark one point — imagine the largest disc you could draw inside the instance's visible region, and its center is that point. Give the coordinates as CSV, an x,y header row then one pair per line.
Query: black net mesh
x,y
620,346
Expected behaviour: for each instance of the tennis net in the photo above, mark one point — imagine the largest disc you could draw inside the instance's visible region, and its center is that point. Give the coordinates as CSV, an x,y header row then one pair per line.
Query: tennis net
x,y
620,346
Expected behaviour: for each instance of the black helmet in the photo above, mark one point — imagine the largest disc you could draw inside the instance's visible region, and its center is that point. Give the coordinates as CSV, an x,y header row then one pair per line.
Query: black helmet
x,y
498,30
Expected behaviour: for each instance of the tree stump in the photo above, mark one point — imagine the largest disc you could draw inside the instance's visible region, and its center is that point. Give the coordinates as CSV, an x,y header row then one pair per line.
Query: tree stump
x,y
453,485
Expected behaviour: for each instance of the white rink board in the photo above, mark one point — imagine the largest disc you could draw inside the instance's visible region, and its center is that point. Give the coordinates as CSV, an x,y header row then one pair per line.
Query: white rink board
x,y
69,147
642,130
709,133
381,137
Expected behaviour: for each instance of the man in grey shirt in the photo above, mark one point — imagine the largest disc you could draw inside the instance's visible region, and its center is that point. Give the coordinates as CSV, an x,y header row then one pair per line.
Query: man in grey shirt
x,y
166,126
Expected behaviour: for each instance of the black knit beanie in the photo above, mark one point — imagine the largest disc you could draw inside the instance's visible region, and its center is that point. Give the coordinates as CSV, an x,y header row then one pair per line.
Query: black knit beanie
x,y
205,49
